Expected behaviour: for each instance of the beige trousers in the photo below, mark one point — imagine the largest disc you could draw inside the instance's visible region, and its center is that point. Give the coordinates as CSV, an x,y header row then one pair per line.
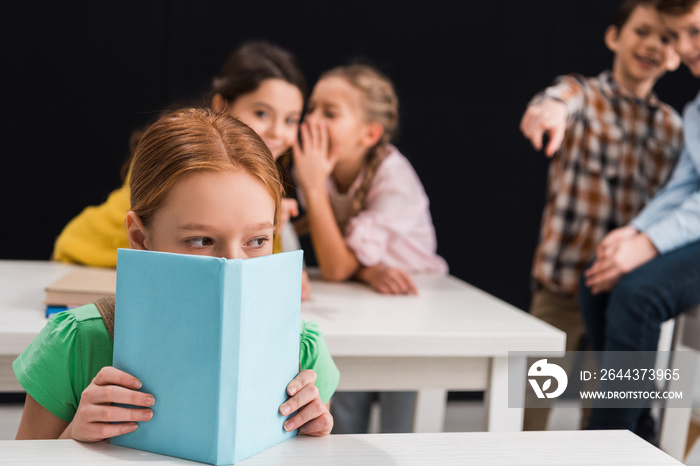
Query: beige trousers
x,y
563,312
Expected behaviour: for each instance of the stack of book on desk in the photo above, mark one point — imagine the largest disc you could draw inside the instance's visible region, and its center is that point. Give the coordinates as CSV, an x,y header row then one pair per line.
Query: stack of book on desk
x,y
83,285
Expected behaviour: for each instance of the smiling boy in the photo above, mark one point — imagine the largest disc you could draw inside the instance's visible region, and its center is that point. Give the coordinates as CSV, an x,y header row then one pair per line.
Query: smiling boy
x,y
651,268
613,144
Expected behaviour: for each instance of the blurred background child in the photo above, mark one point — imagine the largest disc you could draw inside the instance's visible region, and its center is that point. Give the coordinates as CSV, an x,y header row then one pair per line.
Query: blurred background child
x,y
613,144
259,83
367,211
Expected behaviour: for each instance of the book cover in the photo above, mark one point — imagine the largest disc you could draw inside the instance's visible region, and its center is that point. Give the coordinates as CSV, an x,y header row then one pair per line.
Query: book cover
x,y
82,285
216,341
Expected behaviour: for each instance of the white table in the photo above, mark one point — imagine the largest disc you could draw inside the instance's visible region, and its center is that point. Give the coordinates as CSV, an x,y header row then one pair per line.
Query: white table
x,y
616,447
451,336
22,310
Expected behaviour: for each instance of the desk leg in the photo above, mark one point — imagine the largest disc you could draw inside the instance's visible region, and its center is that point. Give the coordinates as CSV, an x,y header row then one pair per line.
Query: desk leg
x,y
499,417
429,415
673,434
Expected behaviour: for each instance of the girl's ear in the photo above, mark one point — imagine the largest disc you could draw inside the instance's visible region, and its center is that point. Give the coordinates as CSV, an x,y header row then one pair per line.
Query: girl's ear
x,y
374,133
218,103
135,231
611,36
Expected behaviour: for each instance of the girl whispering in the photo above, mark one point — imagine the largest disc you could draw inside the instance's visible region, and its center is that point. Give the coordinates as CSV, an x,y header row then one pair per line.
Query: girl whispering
x,y
367,211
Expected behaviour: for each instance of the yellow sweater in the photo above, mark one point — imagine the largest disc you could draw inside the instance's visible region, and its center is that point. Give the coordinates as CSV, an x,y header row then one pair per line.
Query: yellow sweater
x,y
92,238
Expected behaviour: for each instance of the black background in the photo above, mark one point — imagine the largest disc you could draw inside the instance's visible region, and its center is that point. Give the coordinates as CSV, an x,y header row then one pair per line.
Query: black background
x,y
78,77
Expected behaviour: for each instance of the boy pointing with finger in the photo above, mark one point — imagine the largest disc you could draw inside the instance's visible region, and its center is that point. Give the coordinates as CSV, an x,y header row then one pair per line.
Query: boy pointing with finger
x,y
613,144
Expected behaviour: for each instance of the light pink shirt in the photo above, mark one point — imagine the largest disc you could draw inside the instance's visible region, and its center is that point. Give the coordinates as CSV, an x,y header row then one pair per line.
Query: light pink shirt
x,y
394,227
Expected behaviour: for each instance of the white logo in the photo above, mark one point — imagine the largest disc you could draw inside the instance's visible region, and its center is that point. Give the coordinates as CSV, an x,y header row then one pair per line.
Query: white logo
x,y
542,369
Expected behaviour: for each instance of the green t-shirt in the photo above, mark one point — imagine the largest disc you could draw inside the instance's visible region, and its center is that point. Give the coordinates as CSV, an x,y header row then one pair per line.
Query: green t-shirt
x,y
74,345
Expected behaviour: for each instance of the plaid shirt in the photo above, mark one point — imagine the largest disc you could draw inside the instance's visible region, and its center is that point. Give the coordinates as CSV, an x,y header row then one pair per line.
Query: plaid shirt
x,y
617,152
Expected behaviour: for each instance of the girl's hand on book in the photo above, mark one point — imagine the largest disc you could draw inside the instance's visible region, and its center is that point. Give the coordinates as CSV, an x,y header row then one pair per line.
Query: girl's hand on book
x,y
312,417
96,419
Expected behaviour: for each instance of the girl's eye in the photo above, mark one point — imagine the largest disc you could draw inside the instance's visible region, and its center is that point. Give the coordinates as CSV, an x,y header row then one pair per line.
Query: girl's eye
x,y
261,113
642,32
693,32
292,121
258,242
200,242
329,115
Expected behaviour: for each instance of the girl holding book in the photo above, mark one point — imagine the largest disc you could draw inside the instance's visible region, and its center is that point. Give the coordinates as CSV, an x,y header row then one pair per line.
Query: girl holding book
x,y
187,168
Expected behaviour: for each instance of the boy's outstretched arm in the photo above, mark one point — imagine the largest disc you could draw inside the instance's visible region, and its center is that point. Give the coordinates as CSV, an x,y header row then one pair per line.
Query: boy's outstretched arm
x,y
546,116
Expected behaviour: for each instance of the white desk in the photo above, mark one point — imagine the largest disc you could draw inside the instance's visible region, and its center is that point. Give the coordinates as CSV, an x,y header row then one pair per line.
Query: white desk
x,y
450,337
22,310
617,447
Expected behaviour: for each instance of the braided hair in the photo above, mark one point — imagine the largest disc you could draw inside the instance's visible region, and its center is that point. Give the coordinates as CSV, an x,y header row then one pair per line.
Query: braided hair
x,y
381,105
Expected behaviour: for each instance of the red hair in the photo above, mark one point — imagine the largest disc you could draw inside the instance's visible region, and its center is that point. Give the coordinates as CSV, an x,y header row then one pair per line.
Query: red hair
x,y
192,140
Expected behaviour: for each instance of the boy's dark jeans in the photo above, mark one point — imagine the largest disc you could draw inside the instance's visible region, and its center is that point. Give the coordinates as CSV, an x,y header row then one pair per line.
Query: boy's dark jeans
x,y
629,318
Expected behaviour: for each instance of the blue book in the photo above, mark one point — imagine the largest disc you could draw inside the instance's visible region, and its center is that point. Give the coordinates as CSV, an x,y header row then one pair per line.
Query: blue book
x,y
51,310
216,341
